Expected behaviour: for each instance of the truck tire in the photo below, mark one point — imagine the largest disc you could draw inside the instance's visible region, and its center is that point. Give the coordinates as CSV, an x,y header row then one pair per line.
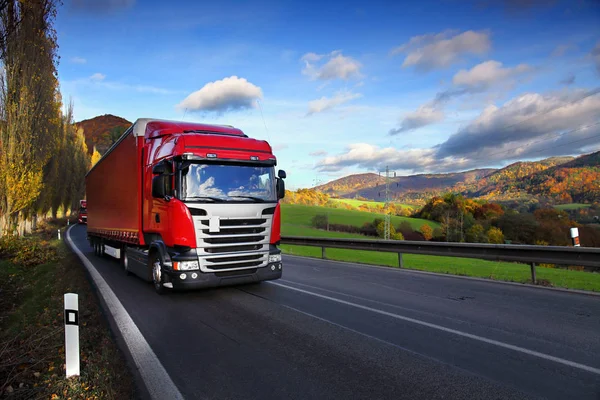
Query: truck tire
x,y
156,273
125,261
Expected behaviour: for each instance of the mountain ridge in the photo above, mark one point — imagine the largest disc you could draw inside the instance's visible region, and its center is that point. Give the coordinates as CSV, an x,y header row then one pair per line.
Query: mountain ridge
x,y
561,179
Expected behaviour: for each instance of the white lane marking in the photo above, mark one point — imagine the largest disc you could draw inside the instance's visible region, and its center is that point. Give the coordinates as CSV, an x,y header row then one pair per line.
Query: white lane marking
x,y
450,330
157,380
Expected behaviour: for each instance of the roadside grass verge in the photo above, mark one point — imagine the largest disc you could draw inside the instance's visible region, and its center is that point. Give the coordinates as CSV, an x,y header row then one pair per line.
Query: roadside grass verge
x,y
35,272
503,271
297,214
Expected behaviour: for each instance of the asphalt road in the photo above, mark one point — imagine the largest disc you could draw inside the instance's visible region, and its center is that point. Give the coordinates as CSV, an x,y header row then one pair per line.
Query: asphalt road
x,y
330,330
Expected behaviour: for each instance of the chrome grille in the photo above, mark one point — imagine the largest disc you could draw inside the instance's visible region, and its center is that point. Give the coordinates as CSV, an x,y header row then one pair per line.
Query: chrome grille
x,y
239,243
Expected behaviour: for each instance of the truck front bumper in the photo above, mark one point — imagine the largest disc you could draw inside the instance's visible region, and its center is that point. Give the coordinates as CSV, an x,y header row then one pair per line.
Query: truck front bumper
x,y
183,280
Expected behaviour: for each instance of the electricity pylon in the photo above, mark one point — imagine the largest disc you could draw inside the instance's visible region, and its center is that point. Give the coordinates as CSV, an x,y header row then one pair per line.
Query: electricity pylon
x,y
388,217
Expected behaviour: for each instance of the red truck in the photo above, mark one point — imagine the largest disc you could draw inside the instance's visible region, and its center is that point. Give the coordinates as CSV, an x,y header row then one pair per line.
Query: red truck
x,y
82,213
187,205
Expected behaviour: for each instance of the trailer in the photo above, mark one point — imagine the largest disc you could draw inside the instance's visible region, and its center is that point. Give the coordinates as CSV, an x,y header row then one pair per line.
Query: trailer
x,y
187,205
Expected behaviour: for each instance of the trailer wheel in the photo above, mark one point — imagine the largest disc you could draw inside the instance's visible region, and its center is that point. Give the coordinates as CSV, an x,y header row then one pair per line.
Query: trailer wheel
x,y
156,271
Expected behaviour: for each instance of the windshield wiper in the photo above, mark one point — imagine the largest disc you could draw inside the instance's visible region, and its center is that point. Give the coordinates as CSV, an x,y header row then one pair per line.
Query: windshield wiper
x,y
216,199
258,199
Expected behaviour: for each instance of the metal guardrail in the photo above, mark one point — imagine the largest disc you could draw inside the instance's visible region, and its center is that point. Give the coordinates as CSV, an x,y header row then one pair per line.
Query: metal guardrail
x,y
532,255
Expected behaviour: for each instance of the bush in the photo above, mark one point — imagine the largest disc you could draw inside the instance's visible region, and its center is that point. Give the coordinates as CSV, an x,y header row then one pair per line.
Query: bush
x,y
397,236
405,227
344,228
495,235
368,229
438,233
319,221
27,251
426,231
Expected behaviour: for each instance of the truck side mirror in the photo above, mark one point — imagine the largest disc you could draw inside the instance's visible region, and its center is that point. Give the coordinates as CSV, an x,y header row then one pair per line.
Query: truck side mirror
x,y
280,188
158,186
159,169
281,173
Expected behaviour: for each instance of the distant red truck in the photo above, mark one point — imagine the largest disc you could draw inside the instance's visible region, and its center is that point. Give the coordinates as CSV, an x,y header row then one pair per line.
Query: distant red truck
x,y
82,213
187,205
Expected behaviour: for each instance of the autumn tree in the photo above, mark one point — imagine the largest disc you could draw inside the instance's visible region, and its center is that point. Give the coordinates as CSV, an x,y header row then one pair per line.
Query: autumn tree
x,y
95,157
495,235
29,108
426,231
476,234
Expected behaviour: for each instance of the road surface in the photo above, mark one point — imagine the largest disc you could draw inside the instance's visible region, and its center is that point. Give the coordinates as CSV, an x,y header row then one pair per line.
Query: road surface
x,y
330,330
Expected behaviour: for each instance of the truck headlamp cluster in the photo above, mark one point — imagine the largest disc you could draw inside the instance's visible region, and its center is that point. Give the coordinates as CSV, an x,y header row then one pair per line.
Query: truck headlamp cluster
x,y
273,258
185,265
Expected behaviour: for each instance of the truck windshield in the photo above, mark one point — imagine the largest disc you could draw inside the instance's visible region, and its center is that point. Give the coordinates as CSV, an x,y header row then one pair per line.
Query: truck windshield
x,y
230,183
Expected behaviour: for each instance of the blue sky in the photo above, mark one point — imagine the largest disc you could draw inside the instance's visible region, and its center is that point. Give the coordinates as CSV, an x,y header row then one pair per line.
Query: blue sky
x,y
348,87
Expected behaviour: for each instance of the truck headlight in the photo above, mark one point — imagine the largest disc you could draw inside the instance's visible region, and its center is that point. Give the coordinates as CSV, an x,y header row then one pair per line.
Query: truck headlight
x,y
273,258
185,265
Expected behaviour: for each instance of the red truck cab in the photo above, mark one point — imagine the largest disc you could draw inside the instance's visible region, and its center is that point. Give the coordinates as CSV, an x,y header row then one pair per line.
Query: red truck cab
x,y
82,213
188,205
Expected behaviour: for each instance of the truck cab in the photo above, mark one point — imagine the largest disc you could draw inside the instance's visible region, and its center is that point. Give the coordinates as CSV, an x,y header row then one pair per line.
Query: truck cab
x,y
82,212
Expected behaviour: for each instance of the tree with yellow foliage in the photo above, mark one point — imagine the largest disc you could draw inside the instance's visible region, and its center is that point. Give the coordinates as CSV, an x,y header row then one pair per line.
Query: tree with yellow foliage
x,y
96,156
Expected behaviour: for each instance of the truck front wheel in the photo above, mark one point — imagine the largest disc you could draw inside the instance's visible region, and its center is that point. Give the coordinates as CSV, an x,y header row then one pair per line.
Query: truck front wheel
x,y
156,271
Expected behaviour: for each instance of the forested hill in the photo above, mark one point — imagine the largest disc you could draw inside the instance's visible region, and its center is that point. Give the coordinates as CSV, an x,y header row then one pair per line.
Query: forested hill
x,y
558,180
102,131
371,186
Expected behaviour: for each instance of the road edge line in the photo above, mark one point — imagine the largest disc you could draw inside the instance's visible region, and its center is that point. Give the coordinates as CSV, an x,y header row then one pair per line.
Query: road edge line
x,y
441,274
155,377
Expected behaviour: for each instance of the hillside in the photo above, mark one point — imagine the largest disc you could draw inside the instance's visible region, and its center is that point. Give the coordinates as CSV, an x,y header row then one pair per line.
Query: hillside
x,y
97,131
350,185
559,180
371,186
575,181
506,183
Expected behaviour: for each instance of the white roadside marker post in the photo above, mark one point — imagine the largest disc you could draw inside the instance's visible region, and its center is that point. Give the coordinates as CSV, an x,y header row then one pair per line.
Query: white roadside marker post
x,y
72,334
575,237
59,234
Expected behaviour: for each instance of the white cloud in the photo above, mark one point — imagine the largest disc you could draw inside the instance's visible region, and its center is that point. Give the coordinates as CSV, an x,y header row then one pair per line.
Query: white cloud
x,y
425,115
327,103
529,126
97,77
337,66
476,80
318,153
527,117
434,51
78,60
488,73
367,156
231,93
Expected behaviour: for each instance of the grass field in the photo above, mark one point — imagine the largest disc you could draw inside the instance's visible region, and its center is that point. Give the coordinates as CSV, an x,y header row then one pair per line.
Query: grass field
x,y
296,222
356,203
572,206
296,214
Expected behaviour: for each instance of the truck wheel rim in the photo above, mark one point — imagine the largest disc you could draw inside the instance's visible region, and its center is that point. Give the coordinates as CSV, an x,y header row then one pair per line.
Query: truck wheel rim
x,y
156,273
